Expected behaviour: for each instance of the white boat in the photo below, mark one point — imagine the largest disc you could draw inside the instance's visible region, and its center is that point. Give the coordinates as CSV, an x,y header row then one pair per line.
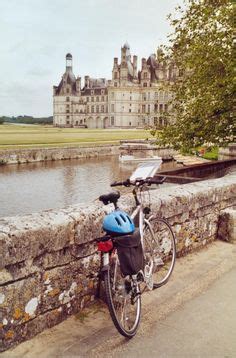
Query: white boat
x,y
131,158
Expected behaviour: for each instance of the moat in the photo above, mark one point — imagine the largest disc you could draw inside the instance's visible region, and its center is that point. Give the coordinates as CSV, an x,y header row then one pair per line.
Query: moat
x,y
33,187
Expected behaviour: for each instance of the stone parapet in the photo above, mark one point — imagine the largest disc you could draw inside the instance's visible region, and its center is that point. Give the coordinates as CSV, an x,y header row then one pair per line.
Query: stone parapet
x,y
49,264
228,152
227,225
31,155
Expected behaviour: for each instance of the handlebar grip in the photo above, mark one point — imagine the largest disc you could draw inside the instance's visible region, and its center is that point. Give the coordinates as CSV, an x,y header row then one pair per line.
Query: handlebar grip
x,y
159,180
124,183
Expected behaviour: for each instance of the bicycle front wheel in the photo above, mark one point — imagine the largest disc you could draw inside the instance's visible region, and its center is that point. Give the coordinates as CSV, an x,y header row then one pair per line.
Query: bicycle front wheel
x,y
159,250
123,299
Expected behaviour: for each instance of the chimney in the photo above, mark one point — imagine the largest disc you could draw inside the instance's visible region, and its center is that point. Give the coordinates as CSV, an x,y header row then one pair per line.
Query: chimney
x,y
86,81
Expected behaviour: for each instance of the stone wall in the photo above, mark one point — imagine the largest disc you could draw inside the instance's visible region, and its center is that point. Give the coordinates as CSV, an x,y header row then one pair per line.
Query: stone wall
x,y
17,156
227,153
48,260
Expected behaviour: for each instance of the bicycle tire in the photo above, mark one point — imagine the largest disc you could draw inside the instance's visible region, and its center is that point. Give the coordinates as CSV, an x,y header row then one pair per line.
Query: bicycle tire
x,y
115,294
159,246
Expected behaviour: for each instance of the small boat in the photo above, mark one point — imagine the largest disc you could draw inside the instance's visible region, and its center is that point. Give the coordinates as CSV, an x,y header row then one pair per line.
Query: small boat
x,y
132,158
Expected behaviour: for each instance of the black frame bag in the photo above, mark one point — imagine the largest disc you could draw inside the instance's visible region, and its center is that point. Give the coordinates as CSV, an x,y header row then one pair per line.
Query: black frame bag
x,y
130,253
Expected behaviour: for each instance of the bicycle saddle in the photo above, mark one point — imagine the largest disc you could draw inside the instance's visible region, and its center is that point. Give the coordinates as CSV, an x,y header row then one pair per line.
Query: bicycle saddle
x,y
110,198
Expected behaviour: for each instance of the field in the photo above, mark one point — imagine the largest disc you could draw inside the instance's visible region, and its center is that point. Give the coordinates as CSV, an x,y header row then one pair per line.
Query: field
x,y
25,136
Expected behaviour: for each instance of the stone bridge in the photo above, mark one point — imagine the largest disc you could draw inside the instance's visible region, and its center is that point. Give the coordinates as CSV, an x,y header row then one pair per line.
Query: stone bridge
x,y
49,263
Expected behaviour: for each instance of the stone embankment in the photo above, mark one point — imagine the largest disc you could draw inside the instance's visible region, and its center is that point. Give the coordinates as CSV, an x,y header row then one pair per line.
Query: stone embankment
x,y
49,264
227,153
18,156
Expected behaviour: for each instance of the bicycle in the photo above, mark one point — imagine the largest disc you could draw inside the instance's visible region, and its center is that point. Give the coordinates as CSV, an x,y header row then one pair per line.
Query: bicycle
x,y
155,258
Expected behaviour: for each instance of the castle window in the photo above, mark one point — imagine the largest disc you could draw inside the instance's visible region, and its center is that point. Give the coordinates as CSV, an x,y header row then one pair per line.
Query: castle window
x,y
156,95
130,123
115,75
143,108
67,90
87,109
130,110
76,122
67,98
112,95
130,98
67,122
67,111
68,106
102,99
149,108
166,107
112,121
97,109
145,75
145,84
112,107
102,91
92,91
97,99
87,99
156,108
67,117
102,108
92,99
81,121
84,120
161,107
115,84
92,109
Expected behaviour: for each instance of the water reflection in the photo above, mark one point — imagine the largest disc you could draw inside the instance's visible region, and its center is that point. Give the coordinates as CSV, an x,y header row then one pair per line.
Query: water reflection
x,y
32,187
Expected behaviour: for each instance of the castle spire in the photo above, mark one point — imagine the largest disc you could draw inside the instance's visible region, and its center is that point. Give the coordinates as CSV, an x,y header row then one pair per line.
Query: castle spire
x,y
69,62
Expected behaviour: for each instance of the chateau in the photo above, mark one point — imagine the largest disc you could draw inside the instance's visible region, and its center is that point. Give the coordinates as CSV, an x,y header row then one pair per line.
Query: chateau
x,y
131,99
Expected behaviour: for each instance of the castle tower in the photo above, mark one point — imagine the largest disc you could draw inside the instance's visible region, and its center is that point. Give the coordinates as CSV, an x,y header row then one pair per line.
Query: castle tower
x,y
68,62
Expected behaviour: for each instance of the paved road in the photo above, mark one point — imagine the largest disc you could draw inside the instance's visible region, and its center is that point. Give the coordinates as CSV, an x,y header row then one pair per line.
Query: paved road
x,y
193,316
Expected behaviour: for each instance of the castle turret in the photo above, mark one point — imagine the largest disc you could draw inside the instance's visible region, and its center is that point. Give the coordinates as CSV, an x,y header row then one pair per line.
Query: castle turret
x,y
69,62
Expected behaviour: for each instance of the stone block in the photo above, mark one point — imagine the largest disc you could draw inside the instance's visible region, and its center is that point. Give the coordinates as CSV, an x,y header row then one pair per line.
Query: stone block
x,y
227,225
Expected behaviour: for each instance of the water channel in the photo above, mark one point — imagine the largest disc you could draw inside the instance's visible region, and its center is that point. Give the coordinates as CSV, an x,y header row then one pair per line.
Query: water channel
x,y
27,188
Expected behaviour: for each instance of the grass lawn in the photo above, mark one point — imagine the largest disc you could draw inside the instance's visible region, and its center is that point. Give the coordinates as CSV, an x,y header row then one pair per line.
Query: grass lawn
x,y
14,136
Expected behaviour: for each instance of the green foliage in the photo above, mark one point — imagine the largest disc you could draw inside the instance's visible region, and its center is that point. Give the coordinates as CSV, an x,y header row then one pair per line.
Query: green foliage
x,y
27,120
1,120
202,49
211,153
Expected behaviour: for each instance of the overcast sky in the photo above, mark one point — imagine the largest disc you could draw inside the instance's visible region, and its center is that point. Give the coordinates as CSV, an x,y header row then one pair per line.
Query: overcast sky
x,y
35,36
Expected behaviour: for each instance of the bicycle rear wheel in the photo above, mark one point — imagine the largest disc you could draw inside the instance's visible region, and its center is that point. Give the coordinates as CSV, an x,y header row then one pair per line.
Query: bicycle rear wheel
x,y
123,299
159,250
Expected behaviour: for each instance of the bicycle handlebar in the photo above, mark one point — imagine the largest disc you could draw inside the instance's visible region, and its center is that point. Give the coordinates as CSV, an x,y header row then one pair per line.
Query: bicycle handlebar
x,y
139,182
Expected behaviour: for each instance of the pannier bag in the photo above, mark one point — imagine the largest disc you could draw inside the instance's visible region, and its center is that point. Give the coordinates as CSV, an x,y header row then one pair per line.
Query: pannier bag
x,y
130,253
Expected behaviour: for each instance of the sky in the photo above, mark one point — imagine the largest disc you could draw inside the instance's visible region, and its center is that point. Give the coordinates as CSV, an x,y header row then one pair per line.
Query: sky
x,y
35,36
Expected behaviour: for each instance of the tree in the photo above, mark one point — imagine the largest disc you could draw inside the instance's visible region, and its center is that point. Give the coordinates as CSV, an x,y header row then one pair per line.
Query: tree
x,y
201,46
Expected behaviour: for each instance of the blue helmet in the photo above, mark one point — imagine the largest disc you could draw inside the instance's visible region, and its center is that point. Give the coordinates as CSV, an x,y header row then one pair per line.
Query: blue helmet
x,y
118,222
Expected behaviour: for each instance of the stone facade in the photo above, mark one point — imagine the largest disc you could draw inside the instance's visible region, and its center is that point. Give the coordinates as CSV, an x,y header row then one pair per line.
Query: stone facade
x,y
49,263
130,99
